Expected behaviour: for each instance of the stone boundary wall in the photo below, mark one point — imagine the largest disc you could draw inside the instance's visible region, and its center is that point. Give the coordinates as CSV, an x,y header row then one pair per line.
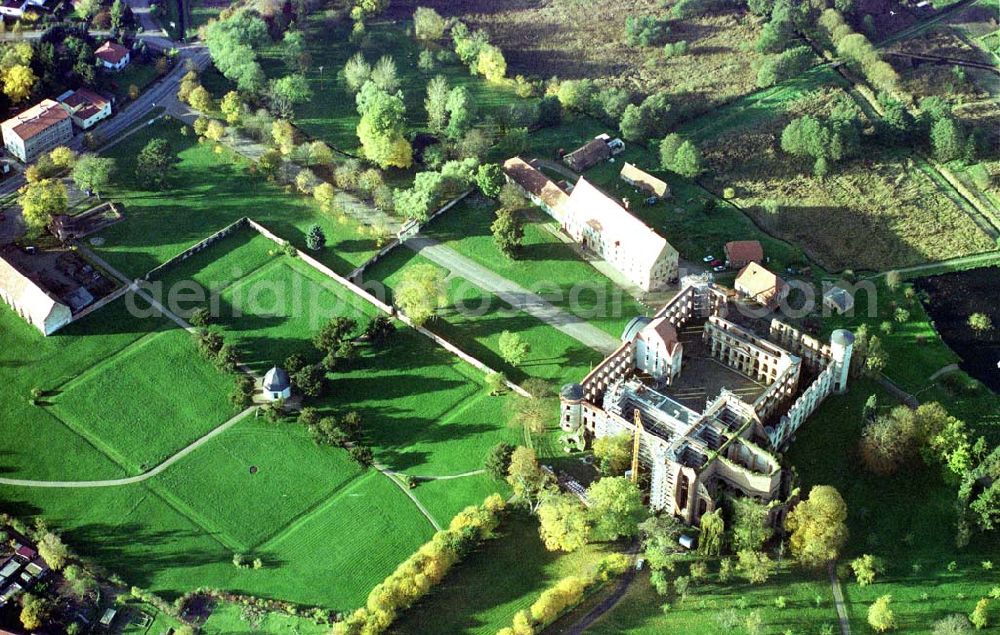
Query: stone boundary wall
x,y
197,247
396,242
106,300
385,308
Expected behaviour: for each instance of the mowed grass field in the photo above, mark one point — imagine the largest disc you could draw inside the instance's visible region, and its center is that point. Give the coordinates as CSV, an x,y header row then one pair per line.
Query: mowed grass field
x,y
309,512
332,115
208,191
474,320
544,264
147,402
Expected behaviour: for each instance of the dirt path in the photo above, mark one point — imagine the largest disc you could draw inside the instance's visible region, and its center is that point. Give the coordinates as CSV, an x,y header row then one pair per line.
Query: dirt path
x,y
517,296
989,258
131,480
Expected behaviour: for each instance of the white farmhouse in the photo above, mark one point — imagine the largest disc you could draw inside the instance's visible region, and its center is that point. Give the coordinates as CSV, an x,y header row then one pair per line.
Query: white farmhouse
x,y
28,299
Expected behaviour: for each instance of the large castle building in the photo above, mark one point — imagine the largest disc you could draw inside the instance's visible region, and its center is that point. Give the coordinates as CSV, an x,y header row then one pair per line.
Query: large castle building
x,y
717,393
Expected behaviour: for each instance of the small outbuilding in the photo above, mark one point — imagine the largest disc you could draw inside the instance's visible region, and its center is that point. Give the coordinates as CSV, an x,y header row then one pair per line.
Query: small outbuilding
x,y
740,253
277,384
644,181
838,300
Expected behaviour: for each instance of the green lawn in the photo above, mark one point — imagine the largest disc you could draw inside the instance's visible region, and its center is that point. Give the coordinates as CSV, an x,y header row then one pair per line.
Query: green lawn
x,y
293,474
484,591
544,265
135,74
916,545
711,607
208,191
476,328
121,404
446,497
272,313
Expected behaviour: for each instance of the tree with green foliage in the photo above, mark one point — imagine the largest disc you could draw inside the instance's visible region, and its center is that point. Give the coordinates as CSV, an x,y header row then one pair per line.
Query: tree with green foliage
x,y
955,624
643,30
421,292
527,479
687,160
384,74
947,139
315,238
53,551
889,442
754,566
513,348
289,91
153,163
497,460
818,526
713,532
436,104
881,617
428,25
980,323
357,72
508,231
750,524
613,453
490,179
563,522
461,112
980,617
865,568
42,200
615,507
35,611
491,63
382,126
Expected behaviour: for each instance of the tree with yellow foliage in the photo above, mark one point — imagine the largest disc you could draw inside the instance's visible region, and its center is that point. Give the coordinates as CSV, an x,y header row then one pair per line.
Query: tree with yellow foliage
x,y
18,81
819,527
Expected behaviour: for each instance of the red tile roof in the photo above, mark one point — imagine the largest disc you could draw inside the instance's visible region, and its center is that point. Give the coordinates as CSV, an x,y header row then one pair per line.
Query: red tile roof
x,y
85,103
111,52
744,251
36,119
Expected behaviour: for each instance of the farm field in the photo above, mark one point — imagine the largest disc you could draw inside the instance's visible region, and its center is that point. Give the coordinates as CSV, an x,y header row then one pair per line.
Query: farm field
x,y
209,191
554,356
891,198
332,116
573,40
484,591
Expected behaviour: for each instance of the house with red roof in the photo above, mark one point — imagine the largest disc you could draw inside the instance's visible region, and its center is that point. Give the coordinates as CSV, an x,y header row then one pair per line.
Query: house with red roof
x,y
85,107
112,56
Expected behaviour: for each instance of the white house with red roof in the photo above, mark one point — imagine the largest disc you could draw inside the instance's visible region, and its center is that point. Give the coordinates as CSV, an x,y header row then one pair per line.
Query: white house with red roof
x,y
112,56
658,351
85,107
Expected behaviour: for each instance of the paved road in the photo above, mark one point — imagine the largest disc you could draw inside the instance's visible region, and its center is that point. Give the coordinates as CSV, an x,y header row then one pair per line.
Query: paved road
x,y
114,482
514,294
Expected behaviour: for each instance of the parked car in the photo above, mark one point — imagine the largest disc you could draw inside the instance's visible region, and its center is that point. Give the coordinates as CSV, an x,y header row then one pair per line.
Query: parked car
x,y
716,262
708,259
719,268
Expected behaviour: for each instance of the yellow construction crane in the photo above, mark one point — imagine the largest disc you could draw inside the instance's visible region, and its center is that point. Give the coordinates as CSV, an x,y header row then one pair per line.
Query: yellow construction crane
x,y
635,446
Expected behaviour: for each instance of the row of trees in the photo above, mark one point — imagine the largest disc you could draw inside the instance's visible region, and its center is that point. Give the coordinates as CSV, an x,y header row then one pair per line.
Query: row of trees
x,y
419,573
859,51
